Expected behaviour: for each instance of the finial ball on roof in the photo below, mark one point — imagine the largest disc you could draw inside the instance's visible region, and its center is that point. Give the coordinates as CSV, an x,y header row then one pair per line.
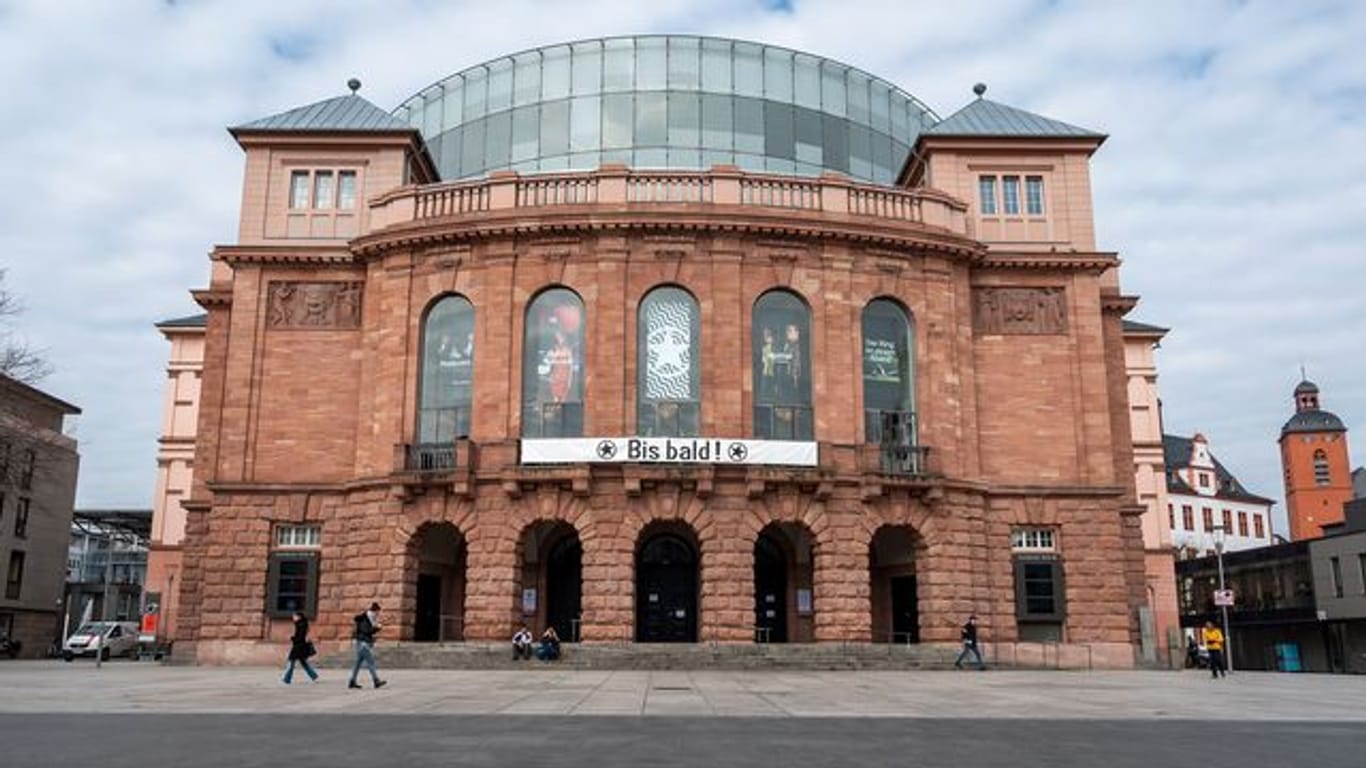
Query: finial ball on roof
x,y
979,89
353,84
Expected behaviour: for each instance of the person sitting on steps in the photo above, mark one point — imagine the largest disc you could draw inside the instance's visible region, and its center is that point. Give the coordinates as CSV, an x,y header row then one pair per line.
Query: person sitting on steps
x,y
550,645
521,644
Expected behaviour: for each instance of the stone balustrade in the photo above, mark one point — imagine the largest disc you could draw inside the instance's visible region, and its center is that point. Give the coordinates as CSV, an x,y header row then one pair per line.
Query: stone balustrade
x,y
830,195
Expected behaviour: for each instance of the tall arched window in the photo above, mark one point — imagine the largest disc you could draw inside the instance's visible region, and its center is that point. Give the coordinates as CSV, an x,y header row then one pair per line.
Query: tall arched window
x,y
1321,474
668,376
781,332
447,371
888,374
552,366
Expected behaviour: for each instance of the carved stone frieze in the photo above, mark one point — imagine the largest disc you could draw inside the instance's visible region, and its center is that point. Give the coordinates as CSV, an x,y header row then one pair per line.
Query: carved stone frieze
x,y
1019,311
313,305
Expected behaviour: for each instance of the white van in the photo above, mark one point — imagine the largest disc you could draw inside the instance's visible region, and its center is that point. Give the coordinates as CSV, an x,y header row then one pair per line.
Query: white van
x,y
113,638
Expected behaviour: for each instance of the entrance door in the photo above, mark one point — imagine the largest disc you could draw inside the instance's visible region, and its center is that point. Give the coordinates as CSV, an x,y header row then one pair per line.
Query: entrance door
x,y
563,586
666,591
905,611
428,628
770,591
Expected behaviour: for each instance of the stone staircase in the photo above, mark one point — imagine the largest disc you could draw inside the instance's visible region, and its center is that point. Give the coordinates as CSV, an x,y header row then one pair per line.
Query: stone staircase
x,y
647,656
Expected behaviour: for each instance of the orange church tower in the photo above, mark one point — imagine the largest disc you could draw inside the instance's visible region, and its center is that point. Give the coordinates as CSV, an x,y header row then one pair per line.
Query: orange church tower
x,y
1318,476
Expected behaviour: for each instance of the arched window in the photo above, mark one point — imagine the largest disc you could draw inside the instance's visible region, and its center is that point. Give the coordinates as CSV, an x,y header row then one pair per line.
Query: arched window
x,y
447,371
781,332
1321,474
888,374
668,376
552,366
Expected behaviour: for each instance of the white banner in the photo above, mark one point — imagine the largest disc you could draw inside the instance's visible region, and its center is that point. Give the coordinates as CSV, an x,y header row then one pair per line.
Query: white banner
x,y
668,450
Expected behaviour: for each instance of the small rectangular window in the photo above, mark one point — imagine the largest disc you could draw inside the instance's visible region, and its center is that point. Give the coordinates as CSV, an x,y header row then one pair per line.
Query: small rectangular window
x,y
986,192
1336,565
1187,517
298,536
1361,568
1171,517
298,189
1228,521
322,190
1242,524
1257,526
1208,515
14,579
21,519
346,190
26,473
1032,539
1010,192
1204,479
1034,195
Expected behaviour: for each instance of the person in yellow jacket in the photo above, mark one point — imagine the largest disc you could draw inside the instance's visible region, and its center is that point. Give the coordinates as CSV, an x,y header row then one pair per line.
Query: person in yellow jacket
x,y
1213,638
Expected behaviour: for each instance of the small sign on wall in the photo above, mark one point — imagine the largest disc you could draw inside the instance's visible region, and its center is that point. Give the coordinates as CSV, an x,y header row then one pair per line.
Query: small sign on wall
x,y
529,601
804,602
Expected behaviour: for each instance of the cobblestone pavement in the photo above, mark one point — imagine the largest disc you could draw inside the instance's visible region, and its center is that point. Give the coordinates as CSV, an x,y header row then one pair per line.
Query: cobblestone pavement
x,y
139,687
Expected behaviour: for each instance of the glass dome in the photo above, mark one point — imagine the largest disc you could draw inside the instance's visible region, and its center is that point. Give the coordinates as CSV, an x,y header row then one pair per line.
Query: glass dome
x,y
667,102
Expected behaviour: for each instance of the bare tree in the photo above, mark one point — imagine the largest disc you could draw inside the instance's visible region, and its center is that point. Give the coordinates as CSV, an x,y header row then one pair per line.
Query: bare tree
x,y
18,360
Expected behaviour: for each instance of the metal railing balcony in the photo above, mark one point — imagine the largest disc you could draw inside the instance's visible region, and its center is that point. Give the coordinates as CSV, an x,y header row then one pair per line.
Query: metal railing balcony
x,y
894,433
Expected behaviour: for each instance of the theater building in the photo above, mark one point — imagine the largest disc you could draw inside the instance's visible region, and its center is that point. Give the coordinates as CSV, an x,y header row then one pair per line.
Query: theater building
x,y
664,339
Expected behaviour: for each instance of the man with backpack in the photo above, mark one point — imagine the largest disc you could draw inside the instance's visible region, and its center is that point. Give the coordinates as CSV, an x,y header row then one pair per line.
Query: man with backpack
x,y
969,637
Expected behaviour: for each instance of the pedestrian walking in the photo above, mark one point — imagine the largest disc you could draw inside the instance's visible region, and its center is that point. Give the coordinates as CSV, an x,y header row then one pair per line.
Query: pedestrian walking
x,y
1214,643
968,634
300,650
367,626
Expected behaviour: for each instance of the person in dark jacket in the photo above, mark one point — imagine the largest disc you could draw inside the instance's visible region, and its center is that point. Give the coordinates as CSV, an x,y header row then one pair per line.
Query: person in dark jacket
x,y
550,645
969,637
299,650
367,626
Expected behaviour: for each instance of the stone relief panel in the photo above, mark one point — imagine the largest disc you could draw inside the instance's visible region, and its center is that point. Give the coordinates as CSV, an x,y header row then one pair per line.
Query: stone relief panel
x,y
294,305
1019,311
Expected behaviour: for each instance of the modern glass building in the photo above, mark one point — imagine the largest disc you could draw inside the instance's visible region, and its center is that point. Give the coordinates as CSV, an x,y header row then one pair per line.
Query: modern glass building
x,y
667,102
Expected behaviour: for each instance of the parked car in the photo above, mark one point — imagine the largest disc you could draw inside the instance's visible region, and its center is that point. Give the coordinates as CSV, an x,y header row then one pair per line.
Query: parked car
x,y
113,638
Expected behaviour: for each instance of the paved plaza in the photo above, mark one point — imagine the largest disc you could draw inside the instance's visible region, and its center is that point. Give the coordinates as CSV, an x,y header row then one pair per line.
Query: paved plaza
x,y
74,714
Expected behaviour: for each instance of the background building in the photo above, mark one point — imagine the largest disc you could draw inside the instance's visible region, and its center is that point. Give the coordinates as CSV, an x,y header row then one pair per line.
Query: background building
x,y
1141,341
1202,495
707,375
106,565
38,465
175,465
1317,468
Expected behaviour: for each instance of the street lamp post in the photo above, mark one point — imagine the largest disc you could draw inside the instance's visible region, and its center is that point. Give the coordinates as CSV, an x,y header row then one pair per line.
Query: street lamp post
x,y
1219,534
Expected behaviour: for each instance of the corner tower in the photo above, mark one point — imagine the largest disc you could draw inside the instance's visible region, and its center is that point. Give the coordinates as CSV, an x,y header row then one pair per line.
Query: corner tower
x,y
1315,463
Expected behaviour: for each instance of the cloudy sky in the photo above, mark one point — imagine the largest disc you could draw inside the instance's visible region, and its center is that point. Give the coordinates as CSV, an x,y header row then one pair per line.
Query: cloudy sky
x,y
1231,185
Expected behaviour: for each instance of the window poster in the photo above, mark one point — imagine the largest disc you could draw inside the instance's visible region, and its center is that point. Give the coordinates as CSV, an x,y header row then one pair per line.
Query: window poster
x,y
669,325
782,360
552,373
886,357
447,369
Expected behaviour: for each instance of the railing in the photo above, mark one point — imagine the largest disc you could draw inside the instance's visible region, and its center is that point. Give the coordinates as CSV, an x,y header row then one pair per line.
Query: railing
x,y
681,188
894,432
726,186
781,193
556,190
450,200
429,457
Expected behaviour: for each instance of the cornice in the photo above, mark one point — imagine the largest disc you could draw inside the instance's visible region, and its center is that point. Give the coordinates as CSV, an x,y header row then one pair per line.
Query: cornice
x,y
292,254
212,298
1070,261
1120,305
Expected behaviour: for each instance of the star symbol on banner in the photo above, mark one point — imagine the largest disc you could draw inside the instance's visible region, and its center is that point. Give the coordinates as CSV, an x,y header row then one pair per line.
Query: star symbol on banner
x,y
607,450
738,452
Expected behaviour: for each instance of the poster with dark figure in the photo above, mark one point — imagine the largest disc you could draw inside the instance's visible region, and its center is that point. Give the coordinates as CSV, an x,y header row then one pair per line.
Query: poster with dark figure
x,y
447,370
782,365
553,362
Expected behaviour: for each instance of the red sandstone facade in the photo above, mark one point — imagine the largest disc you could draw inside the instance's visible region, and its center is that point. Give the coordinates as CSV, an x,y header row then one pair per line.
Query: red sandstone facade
x,y
311,384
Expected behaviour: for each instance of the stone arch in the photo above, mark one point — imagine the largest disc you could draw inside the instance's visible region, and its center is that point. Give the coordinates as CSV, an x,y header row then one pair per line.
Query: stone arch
x,y
435,560
549,579
784,565
896,565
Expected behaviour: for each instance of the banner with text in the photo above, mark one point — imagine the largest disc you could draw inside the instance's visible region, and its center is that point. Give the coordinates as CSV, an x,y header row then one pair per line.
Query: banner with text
x,y
668,450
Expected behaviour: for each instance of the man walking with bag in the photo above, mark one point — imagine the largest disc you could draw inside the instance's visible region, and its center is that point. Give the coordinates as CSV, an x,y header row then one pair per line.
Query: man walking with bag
x,y
969,637
367,625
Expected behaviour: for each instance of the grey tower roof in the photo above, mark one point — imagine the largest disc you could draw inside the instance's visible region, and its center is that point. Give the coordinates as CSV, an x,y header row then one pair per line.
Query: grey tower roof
x,y
349,113
1313,421
983,117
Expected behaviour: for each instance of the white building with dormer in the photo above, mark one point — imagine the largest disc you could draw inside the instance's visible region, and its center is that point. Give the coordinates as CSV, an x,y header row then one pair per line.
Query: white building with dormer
x,y
1203,495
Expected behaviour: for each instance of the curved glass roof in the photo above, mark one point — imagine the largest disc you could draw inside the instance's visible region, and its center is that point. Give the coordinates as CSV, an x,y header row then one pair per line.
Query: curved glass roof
x,y
667,102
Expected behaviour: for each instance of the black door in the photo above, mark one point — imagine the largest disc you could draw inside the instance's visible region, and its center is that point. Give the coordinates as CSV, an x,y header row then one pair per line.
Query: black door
x,y
770,591
905,612
666,591
563,586
428,629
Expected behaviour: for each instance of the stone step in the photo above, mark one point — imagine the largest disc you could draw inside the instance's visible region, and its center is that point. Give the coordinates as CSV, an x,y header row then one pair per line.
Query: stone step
x,y
639,656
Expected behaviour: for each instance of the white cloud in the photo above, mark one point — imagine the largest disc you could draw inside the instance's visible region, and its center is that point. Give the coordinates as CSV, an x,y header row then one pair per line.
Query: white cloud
x,y
1232,184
